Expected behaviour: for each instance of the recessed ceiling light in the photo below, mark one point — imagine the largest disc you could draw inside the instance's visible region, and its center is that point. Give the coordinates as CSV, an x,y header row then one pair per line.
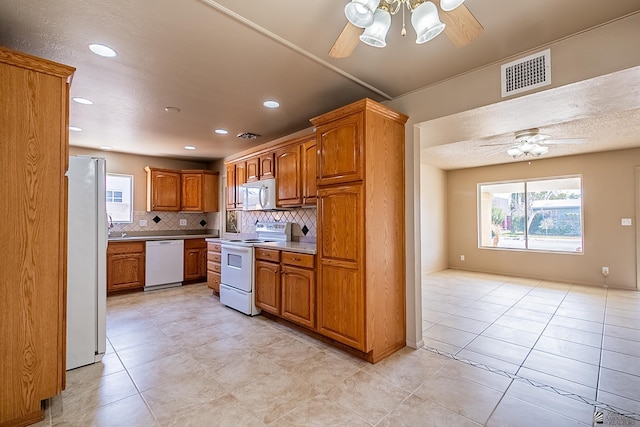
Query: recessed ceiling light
x,y
189,147
102,50
221,131
84,101
106,147
75,128
271,104
172,109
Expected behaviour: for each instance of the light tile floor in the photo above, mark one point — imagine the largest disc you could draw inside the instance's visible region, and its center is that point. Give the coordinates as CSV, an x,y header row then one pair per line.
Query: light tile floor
x,y
577,339
177,357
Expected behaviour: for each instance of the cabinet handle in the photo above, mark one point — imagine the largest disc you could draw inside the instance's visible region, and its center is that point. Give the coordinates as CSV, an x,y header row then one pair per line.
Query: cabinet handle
x,y
296,259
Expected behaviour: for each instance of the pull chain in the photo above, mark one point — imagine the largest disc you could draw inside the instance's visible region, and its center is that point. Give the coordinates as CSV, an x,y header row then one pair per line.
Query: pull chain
x,y
404,30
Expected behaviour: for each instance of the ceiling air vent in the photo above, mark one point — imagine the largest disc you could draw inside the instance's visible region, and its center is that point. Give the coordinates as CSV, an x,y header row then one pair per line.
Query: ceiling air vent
x,y
526,73
248,135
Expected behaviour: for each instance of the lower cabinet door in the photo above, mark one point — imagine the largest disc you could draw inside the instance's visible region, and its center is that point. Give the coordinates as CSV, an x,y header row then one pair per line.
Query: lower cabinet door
x,y
125,271
299,296
267,286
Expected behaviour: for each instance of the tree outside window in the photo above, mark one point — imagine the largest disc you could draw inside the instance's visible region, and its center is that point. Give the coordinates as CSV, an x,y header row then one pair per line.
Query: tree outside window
x,y
542,214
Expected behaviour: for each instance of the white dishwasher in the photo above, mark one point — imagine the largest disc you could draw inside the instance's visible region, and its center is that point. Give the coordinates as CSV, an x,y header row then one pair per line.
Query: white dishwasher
x,y
164,262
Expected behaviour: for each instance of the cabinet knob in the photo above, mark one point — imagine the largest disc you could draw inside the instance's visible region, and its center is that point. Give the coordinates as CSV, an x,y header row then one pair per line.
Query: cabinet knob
x,y
296,259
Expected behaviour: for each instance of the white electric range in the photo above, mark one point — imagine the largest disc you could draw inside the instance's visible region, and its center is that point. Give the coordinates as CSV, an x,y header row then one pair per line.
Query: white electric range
x,y
237,276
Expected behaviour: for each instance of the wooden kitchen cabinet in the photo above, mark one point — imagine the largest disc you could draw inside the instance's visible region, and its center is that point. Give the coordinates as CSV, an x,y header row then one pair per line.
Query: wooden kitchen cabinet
x,y
361,249
299,289
341,149
34,157
261,167
231,186
267,166
289,186
195,260
253,169
309,175
267,280
236,176
199,191
125,266
163,189
214,266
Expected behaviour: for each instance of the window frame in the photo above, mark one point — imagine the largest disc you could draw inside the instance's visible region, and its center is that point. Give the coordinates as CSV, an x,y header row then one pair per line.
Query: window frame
x,y
525,182
131,189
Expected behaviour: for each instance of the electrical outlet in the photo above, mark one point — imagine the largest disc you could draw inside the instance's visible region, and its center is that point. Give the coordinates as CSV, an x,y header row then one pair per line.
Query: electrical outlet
x,y
461,257
626,222
183,222
605,271
143,223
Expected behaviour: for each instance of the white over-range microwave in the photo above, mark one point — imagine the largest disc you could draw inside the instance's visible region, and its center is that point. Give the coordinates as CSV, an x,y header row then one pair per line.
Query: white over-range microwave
x,y
259,195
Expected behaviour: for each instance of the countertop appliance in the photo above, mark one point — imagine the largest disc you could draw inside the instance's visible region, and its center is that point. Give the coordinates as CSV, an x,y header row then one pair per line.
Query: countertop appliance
x,y
237,275
164,264
86,261
259,195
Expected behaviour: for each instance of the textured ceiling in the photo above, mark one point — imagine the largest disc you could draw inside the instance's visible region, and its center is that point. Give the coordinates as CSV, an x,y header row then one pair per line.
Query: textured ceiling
x,y
218,61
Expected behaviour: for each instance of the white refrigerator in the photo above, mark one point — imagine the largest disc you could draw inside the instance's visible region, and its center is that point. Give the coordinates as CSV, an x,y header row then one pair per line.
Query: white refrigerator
x,y
86,261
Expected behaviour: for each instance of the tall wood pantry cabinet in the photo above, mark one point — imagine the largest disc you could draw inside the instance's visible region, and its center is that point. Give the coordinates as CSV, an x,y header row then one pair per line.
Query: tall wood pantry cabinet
x,y
34,119
361,235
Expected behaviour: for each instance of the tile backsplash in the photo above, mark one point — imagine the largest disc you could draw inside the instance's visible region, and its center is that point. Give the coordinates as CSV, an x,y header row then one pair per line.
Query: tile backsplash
x,y
302,220
161,221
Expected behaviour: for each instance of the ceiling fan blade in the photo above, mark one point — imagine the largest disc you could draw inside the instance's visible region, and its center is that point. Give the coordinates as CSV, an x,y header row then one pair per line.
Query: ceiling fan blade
x,y
567,141
346,41
462,27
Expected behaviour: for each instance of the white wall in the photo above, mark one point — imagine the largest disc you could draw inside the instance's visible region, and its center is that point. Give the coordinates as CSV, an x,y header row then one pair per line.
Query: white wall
x,y
603,50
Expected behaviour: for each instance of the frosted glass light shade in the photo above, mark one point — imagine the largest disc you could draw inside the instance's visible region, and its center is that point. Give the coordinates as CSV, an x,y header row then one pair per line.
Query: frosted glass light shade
x,y
375,34
539,150
426,22
448,5
360,12
514,152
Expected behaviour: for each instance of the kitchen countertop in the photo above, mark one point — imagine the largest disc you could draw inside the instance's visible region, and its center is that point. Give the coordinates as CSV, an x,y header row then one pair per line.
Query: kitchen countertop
x,y
300,247
163,235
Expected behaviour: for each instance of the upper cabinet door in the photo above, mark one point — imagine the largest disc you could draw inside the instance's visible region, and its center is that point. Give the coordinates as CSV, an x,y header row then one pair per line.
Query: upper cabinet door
x,y
340,149
267,166
192,192
163,190
241,178
231,187
253,169
309,174
288,192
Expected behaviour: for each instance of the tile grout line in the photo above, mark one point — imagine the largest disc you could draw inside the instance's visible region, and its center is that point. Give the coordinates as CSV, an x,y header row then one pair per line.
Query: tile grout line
x,y
537,384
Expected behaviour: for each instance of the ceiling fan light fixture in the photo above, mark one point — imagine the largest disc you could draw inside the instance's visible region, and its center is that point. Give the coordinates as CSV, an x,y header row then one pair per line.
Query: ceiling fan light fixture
x,y
539,150
514,152
426,22
449,5
361,12
376,33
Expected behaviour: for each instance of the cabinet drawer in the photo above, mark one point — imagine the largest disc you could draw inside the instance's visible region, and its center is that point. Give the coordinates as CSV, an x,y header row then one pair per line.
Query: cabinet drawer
x,y
268,254
195,243
301,260
125,247
215,257
214,247
213,266
213,281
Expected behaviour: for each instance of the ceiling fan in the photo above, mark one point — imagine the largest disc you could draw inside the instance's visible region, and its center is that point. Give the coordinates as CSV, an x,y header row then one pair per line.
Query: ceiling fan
x,y
460,26
530,142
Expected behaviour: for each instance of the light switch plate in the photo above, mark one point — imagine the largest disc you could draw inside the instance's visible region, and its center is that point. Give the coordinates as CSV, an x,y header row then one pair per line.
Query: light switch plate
x,y
626,222
183,222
